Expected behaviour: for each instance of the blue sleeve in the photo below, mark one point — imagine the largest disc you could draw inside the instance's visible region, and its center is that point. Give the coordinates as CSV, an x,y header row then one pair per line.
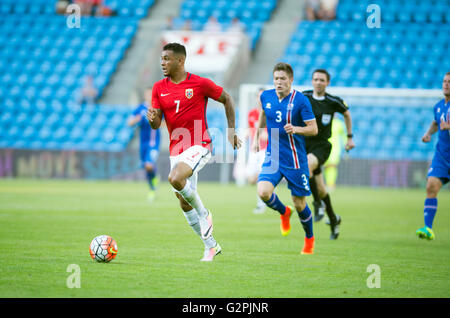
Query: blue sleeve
x,y
137,111
306,109
435,113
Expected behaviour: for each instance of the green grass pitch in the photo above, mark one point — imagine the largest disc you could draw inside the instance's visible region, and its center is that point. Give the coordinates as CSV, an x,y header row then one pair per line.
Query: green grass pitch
x,y
47,225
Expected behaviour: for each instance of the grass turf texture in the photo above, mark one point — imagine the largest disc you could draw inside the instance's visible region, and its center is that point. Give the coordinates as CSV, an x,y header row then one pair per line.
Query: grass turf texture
x,y
47,225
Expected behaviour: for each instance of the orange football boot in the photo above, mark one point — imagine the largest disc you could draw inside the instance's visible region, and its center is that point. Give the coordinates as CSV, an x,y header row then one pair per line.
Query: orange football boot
x,y
285,225
308,248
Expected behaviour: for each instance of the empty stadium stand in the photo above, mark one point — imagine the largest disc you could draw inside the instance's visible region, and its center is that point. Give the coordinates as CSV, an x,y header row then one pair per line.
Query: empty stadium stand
x,y
391,132
252,14
43,64
389,57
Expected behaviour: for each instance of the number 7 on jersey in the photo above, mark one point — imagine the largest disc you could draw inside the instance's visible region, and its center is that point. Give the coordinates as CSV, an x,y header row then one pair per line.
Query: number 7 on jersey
x,y
177,101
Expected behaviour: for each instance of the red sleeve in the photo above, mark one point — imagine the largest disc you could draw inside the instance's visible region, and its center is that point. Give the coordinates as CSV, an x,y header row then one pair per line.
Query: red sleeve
x,y
251,119
211,90
155,99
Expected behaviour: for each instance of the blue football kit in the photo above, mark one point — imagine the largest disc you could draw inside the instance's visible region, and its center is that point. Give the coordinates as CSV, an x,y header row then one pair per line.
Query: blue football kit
x,y
440,165
285,154
149,138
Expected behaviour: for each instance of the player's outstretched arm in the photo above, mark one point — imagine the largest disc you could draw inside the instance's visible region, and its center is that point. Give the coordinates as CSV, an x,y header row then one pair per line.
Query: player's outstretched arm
x,y
154,117
229,105
133,120
259,125
348,124
309,130
431,130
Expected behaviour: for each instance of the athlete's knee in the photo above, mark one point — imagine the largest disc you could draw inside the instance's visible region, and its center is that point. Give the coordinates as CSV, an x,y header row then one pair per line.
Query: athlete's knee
x,y
264,193
299,203
176,180
148,167
313,162
433,187
432,192
171,178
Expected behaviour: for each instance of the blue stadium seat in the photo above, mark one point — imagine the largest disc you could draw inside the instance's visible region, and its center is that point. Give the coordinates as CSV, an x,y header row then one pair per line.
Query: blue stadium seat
x,y
42,64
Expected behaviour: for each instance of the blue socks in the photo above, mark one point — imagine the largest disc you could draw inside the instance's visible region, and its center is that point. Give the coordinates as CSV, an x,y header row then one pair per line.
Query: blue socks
x,y
275,203
305,216
150,176
429,211
306,221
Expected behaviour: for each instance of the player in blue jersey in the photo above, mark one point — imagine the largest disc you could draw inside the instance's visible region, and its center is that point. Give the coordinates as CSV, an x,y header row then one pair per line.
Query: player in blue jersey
x,y
149,142
289,117
439,172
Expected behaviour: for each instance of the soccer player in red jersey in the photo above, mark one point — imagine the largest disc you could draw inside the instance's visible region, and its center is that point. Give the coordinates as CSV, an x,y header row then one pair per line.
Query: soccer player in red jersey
x,y
181,97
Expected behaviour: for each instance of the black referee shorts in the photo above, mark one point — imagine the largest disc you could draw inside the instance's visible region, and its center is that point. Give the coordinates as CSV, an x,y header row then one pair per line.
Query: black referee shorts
x,y
322,151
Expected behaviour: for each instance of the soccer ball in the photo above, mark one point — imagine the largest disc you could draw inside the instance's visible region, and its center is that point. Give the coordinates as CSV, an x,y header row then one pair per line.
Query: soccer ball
x,y
103,248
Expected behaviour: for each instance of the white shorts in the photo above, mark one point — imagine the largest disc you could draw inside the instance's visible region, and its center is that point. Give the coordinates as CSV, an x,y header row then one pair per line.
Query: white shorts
x,y
195,157
254,163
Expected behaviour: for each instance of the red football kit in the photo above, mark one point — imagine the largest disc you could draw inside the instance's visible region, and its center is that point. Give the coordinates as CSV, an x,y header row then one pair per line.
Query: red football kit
x,y
253,116
184,109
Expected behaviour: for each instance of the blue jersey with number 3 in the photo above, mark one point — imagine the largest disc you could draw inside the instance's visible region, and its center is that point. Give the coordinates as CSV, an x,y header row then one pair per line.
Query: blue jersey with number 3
x,y
442,113
287,149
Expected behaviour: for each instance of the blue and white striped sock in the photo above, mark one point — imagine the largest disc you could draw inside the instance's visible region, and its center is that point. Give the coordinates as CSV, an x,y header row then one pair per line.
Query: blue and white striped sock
x,y
275,203
306,221
429,211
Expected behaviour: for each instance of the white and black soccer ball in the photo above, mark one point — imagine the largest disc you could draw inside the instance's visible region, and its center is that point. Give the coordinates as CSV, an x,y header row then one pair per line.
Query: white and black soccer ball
x,y
103,248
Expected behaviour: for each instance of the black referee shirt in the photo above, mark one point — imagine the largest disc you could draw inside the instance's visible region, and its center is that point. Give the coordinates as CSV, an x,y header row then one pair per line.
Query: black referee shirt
x,y
324,111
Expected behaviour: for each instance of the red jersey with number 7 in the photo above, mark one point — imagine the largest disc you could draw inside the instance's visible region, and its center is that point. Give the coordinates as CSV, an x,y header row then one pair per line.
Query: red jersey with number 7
x,y
184,109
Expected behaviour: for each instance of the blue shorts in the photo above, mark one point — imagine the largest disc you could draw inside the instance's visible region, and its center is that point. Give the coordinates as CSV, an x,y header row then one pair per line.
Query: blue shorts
x,y
439,168
149,155
297,179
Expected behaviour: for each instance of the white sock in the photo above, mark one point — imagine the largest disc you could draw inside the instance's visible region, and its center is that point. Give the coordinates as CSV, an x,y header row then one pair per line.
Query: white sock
x,y
191,196
210,242
192,219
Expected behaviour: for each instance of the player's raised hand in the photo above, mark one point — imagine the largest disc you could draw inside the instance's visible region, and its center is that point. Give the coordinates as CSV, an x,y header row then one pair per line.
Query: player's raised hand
x,y
289,129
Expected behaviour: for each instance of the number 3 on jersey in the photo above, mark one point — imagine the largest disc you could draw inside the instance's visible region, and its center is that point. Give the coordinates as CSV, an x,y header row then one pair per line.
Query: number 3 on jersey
x,y
177,101
278,120
305,182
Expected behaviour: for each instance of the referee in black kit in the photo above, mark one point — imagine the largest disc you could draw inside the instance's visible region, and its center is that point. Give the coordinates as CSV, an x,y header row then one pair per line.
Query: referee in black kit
x,y
318,147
